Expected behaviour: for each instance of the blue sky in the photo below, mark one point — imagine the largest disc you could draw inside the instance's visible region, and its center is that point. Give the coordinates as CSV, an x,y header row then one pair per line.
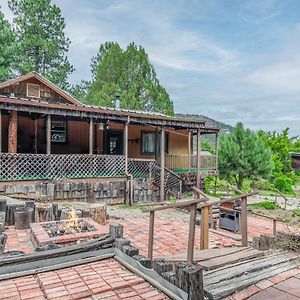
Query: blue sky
x,y
232,60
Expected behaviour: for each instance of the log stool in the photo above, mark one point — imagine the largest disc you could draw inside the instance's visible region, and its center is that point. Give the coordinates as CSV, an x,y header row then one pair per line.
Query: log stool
x,y
44,212
23,217
3,204
99,213
10,213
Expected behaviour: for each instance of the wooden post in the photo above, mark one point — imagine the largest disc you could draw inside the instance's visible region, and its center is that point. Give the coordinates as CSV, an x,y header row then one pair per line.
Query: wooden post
x,y
204,226
216,151
274,226
151,236
243,215
198,158
162,164
13,132
49,134
191,240
126,146
189,151
0,131
91,136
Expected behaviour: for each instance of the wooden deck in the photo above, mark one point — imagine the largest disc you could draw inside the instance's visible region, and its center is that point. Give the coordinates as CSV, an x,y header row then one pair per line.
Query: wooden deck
x,y
229,270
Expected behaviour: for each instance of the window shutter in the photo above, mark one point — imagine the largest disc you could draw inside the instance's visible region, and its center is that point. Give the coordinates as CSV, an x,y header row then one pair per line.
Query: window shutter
x,y
33,90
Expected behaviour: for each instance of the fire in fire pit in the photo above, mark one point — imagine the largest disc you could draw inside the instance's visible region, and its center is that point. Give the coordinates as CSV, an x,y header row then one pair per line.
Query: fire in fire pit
x,y
69,226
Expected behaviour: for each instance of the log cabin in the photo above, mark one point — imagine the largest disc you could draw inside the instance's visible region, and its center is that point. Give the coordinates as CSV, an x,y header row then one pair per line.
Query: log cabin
x,y
47,136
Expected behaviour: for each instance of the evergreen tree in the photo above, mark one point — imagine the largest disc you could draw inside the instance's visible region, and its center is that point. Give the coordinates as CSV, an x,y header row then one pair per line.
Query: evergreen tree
x,y
7,49
242,154
42,45
128,74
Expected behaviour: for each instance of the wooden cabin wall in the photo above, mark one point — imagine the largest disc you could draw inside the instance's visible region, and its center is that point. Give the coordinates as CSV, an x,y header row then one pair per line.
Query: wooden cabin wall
x,y
20,90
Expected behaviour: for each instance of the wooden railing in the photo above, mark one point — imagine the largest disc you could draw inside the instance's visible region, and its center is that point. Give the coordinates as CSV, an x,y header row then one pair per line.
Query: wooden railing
x,y
187,162
21,166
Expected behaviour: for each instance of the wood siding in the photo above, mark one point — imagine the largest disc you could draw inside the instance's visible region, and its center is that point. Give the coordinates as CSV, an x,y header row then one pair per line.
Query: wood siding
x,y
78,137
20,90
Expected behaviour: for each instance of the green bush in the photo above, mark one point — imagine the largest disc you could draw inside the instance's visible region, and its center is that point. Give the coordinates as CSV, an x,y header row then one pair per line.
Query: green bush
x,y
284,183
266,205
296,212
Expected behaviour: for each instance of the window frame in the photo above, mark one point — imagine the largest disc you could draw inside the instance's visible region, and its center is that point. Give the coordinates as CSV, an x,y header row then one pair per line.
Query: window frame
x,y
156,141
33,85
65,131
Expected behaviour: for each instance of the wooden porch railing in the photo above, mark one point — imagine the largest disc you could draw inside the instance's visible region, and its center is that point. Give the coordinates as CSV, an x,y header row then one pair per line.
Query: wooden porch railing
x,y
141,168
185,162
21,166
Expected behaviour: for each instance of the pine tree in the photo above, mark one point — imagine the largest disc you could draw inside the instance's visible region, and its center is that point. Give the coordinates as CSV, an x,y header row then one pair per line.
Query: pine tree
x,y
7,49
42,45
129,74
242,154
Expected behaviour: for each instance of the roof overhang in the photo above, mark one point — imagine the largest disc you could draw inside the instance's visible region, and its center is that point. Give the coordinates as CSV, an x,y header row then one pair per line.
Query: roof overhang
x,y
82,111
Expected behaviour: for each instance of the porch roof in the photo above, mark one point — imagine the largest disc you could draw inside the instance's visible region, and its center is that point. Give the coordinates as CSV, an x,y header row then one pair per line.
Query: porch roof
x,y
102,113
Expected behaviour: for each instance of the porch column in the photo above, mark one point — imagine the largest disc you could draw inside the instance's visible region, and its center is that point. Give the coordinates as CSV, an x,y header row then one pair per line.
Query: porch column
x,y
49,134
162,164
198,157
13,132
0,131
189,151
91,136
125,137
216,151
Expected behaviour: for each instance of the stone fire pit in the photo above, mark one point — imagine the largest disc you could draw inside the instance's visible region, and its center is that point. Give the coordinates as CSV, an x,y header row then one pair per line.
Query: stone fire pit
x,y
57,232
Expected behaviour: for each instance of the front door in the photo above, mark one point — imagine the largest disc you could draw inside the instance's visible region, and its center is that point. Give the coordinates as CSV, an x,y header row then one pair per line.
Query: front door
x,y
114,142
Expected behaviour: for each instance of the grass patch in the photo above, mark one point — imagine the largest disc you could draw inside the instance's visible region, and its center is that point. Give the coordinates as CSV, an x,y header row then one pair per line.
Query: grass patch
x,y
265,204
135,206
296,212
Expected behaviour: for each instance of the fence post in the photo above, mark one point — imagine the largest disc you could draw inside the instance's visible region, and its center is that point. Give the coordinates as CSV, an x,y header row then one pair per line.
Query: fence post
x,y
191,239
204,226
151,236
244,225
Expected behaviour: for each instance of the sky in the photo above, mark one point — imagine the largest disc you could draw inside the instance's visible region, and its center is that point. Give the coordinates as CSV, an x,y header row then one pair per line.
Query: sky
x,y
231,60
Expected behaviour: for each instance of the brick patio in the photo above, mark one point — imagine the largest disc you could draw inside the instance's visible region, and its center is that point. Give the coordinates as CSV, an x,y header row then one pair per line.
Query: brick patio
x,y
105,279
170,238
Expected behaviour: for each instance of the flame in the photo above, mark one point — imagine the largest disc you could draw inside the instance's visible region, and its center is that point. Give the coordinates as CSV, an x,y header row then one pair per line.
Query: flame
x,y
71,224
73,217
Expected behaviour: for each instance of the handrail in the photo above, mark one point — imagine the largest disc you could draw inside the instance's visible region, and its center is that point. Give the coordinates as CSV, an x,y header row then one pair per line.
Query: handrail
x,y
283,196
244,195
173,205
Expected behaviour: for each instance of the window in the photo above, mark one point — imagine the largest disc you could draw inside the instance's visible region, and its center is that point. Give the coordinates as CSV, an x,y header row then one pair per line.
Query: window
x,y
33,90
58,132
150,143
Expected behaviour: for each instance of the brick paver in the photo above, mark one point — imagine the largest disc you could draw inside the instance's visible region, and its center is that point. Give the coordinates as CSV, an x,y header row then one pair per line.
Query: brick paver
x,y
105,279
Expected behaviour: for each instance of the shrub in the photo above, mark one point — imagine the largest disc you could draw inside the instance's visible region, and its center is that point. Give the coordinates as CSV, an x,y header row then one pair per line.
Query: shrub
x,y
284,183
266,205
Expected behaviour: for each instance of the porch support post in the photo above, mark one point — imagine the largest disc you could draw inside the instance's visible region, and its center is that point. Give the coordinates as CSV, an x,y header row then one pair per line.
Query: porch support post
x,y
189,151
49,134
126,146
91,136
162,164
216,152
0,131
13,132
198,157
